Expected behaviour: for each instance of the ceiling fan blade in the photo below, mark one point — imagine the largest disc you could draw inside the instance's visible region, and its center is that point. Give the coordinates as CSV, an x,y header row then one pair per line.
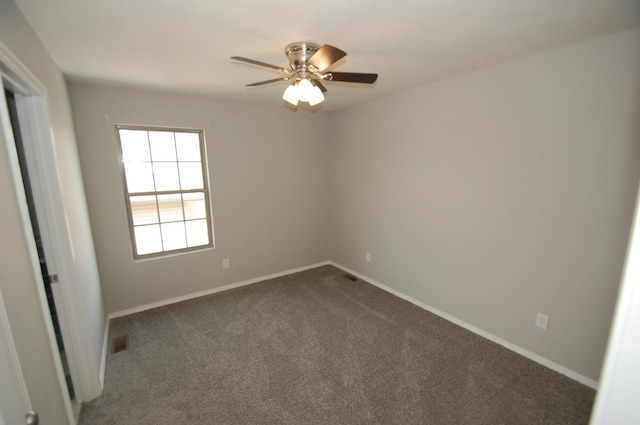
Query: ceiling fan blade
x,y
319,84
325,57
255,62
351,77
262,83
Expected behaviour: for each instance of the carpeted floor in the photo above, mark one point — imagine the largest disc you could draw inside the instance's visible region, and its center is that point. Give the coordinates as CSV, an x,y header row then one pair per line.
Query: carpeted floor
x,y
316,348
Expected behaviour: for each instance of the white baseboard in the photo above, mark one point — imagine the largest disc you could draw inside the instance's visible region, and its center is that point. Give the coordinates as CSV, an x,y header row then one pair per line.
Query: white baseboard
x,y
526,353
139,309
105,348
211,291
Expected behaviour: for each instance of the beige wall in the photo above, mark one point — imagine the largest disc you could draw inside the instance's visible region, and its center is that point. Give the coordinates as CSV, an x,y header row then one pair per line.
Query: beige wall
x,y
501,193
19,285
490,196
269,183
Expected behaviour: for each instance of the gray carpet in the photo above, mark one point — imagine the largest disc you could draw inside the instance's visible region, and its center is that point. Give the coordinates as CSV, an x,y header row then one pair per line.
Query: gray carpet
x,y
316,348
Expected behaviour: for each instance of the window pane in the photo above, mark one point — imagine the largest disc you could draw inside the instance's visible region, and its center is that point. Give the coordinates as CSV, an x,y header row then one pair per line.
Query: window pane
x,y
148,239
173,236
139,177
170,207
135,145
144,210
188,145
197,233
190,175
165,183
166,176
194,206
163,147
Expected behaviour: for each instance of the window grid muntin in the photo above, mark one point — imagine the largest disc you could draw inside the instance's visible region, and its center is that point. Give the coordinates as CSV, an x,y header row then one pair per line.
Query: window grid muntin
x,y
204,191
160,222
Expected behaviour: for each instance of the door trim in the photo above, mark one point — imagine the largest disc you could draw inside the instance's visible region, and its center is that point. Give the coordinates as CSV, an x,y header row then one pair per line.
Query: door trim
x,y
20,80
13,363
33,114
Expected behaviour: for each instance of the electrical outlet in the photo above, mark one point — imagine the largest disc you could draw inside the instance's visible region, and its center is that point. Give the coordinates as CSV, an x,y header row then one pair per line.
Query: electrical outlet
x,y
225,263
542,321
368,257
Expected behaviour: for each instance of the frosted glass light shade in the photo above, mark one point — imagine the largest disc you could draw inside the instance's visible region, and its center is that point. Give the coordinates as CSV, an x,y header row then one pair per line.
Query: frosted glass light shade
x,y
316,96
291,94
304,89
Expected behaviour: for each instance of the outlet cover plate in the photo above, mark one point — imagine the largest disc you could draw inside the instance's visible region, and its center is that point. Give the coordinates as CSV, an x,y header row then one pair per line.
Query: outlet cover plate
x,y
542,321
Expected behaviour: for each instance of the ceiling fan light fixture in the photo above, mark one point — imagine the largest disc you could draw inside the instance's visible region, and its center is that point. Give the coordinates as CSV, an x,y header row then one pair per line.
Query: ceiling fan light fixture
x,y
305,89
308,65
291,94
316,96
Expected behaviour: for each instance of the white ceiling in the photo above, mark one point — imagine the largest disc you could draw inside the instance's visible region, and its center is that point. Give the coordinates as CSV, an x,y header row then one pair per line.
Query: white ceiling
x,y
185,45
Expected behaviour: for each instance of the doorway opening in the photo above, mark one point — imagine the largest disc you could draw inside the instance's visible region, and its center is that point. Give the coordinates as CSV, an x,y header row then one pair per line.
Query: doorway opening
x,y
47,278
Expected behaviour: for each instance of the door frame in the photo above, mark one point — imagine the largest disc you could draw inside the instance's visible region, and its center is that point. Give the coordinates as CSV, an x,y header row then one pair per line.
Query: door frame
x,y
616,400
12,376
33,115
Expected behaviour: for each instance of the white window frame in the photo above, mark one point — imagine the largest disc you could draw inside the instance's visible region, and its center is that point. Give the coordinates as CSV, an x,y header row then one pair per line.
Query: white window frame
x,y
205,190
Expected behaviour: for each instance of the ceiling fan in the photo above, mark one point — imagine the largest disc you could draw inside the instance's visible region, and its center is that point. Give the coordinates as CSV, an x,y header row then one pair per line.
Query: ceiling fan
x,y
308,68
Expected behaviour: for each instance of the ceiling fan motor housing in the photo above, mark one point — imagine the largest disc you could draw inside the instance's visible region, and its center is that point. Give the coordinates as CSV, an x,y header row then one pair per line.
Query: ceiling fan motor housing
x,y
308,64
299,53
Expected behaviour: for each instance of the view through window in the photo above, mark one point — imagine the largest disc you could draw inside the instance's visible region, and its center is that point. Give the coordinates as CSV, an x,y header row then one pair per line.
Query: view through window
x,y
166,191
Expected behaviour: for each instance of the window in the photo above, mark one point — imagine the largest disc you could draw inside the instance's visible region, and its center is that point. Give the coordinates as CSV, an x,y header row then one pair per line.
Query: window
x,y
165,180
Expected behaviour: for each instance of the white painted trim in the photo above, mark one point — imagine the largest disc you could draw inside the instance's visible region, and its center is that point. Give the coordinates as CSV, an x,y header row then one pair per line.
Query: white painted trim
x,y
191,296
13,70
526,353
617,401
105,348
212,291
11,360
33,112
28,84
121,313
43,171
532,356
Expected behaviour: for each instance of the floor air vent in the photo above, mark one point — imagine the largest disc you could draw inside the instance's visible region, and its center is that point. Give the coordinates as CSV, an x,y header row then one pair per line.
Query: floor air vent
x,y
120,344
350,277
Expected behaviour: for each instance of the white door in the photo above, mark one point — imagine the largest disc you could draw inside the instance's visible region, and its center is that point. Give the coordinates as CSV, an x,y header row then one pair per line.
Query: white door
x,y
33,106
40,152
14,399
617,399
